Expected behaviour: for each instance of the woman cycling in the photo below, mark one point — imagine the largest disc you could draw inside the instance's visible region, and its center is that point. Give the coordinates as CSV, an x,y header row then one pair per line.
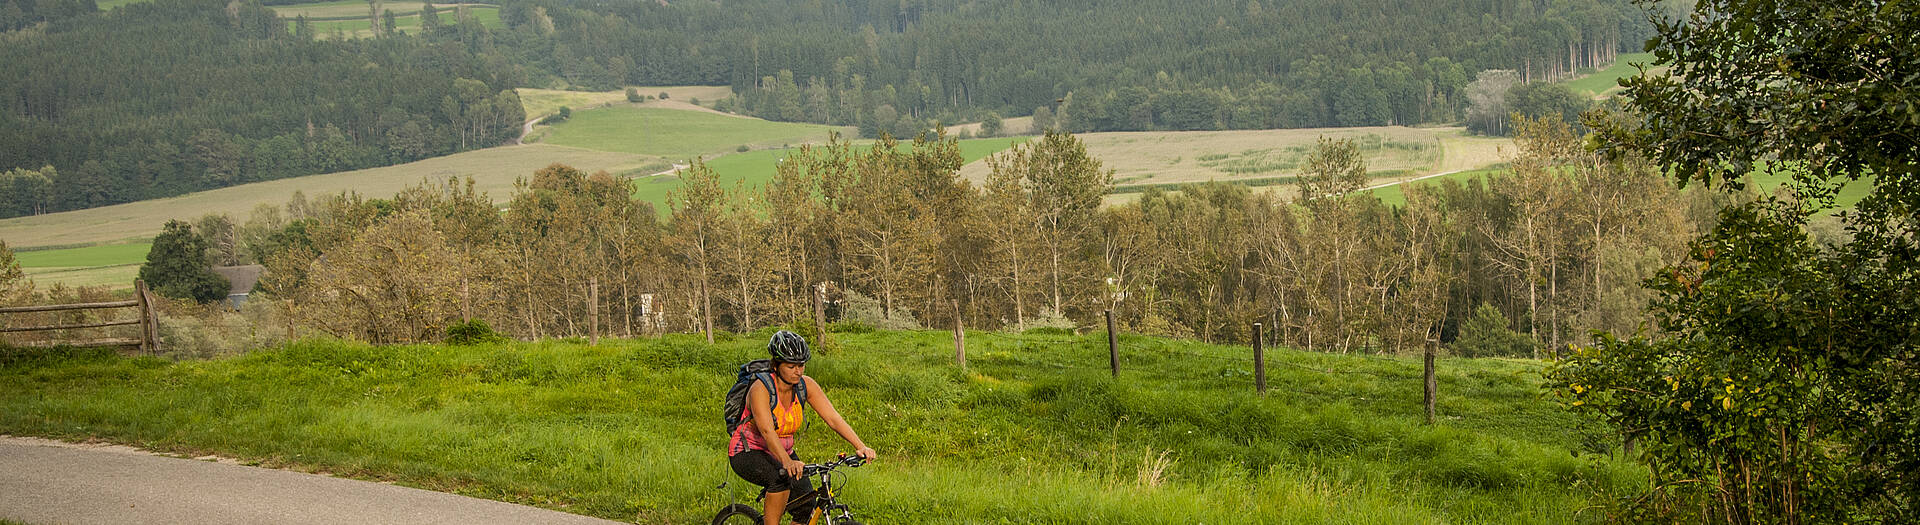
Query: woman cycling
x,y
761,447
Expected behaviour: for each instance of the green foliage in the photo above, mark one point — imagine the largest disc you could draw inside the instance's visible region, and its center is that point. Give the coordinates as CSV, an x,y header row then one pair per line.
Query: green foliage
x,y
1545,100
869,311
1030,432
473,332
991,126
11,277
1785,389
633,95
177,266
1485,334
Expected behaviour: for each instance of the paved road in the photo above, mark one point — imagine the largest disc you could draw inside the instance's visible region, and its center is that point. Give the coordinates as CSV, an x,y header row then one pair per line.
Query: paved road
x,y
46,482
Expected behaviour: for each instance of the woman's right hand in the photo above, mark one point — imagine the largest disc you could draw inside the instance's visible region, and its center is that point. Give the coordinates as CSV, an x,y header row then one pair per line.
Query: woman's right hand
x,y
794,468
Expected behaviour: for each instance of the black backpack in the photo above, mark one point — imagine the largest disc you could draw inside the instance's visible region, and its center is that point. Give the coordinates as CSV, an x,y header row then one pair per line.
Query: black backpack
x,y
761,371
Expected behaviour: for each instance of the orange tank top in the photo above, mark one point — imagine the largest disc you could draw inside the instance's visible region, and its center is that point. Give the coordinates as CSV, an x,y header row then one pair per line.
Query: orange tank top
x,y
787,419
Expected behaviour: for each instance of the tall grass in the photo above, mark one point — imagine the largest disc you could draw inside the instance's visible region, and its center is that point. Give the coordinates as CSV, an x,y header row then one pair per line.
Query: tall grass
x,y
1032,432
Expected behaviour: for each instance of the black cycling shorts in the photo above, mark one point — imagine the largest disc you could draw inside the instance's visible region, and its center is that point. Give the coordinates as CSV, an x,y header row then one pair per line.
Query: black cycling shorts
x,y
759,468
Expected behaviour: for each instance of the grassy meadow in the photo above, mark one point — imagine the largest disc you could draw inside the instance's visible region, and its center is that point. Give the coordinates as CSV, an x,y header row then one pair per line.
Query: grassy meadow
x,y
755,168
342,9
679,134
114,266
1605,82
543,102
1033,431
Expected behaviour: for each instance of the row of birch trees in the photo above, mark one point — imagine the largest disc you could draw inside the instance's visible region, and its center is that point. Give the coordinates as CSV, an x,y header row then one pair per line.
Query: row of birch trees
x,y
892,235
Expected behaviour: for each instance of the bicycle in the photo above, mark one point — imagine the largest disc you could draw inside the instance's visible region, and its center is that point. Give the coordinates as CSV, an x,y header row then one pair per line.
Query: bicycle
x,y
827,498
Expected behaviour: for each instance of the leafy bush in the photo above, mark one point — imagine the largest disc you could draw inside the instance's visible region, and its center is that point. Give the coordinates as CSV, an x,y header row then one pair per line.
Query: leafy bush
x,y
868,310
743,148
663,95
633,95
1051,319
472,332
1485,334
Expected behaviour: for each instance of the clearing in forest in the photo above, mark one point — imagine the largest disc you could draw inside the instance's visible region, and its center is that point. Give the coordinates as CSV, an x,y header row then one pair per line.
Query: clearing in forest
x,y
679,134
540,103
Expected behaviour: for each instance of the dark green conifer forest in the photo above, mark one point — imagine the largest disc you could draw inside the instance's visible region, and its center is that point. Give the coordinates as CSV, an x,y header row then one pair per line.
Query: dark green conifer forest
x,y
160,99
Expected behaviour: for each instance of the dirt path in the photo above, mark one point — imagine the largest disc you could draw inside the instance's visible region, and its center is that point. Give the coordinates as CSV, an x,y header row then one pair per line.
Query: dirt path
x,y
45,481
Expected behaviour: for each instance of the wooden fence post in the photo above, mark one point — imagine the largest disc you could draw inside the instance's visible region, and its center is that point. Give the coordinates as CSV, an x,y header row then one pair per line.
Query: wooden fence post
x,y
1259,363
146,327
593,309
152,318
1113,346
959,338
1431,385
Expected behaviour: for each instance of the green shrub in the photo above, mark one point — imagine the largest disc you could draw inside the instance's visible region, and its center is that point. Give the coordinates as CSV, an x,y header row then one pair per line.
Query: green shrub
x,y
743,148
472,332
1051,319
1485,334
868,310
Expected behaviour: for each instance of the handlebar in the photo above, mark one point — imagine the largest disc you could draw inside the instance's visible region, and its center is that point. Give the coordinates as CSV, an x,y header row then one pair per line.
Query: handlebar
x,y
842,460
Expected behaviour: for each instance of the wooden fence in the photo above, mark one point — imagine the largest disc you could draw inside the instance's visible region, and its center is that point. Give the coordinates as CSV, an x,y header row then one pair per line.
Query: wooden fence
x,y
148,342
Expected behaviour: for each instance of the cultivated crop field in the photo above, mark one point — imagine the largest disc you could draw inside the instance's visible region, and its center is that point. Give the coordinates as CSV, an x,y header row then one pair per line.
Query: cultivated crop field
x,y
494,171
1032,431
1275,157
677,134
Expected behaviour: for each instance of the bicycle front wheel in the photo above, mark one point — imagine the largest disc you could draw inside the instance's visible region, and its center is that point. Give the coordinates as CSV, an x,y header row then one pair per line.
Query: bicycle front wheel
x,y
737,514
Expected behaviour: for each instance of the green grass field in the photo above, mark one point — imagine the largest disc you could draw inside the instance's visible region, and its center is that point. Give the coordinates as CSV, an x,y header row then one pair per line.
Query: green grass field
x,y
755,168
85,256
1396,195
344,9
1032,432
1607,80
114,265
678,134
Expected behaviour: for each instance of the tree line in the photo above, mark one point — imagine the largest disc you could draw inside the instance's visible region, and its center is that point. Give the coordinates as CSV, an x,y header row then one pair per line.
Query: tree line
x,y
896,238
164,98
